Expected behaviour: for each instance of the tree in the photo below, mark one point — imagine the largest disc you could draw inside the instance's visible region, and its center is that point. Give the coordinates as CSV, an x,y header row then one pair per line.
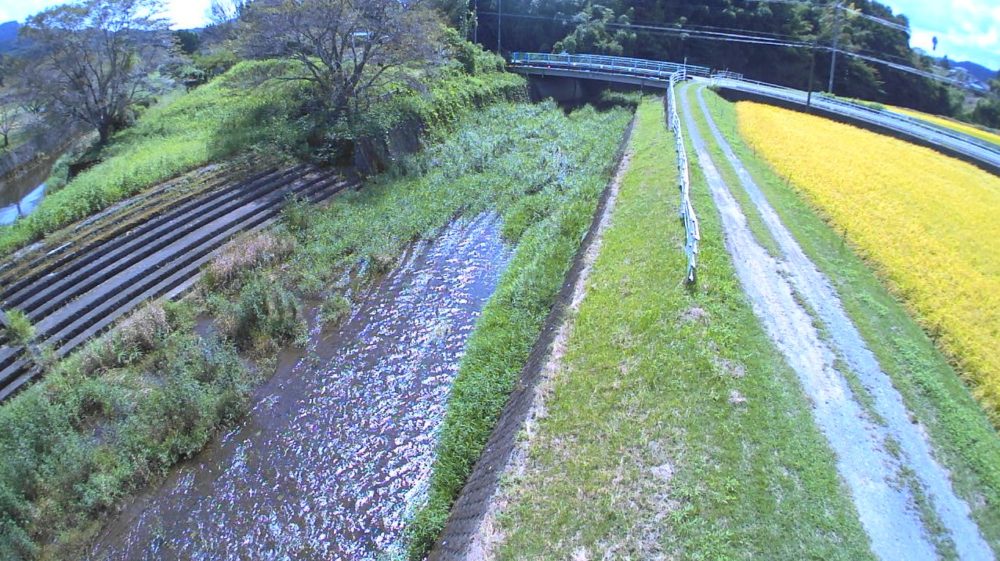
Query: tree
x,y
188,41
92,61
223,12
591,34
346,48
987,110
8,122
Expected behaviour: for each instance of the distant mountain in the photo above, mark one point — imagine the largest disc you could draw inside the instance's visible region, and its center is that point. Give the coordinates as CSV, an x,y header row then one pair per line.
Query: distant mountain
x,y
8,35
977,71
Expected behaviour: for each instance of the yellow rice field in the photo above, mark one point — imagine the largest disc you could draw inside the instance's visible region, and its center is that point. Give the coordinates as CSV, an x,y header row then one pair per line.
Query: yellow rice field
x,y
948,123
928,222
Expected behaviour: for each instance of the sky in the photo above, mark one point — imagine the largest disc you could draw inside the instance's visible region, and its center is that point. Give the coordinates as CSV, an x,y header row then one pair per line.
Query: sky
x,y
966,29
183,13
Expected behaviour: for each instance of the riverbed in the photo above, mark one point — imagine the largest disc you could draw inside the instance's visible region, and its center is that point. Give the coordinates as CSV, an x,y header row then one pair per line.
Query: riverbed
x,y
337,450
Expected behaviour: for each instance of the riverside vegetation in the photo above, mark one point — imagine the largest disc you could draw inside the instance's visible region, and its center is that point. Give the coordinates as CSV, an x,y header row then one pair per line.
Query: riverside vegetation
x,y
255,112
117,414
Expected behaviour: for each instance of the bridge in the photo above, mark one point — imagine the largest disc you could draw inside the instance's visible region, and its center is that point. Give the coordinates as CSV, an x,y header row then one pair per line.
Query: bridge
x,y
621,70
657,74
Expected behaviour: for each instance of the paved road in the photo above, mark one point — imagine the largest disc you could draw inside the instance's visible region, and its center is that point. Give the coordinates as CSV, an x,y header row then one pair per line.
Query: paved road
x,y
970,147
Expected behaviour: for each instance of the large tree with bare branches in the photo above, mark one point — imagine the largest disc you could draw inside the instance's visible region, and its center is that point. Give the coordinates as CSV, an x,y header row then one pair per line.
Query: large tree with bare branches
x,y
347,48
92,60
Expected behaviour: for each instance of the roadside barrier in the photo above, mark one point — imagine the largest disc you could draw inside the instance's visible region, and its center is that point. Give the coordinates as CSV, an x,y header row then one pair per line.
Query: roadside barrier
x,y
691,229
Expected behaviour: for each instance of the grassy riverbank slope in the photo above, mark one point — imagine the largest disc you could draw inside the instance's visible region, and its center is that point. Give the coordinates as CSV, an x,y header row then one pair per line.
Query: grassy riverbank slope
x,y
117,414
675,430
254,112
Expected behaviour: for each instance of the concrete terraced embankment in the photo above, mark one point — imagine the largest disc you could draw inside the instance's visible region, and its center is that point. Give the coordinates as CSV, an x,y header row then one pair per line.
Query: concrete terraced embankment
x,y
85,278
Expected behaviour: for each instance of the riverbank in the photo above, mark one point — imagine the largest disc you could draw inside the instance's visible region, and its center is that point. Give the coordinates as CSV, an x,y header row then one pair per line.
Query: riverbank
x,y
695,441
116,415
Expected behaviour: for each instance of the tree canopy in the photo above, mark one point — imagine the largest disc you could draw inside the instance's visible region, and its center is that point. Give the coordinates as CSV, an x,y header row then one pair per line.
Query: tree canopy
x,y
665,30
346,48
92,61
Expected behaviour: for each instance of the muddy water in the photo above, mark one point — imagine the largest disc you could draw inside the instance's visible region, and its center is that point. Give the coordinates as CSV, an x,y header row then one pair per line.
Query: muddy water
x,y
339,446
21,194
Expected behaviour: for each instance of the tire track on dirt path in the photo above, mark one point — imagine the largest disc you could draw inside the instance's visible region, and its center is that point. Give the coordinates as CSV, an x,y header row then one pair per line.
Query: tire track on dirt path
x,y
888,500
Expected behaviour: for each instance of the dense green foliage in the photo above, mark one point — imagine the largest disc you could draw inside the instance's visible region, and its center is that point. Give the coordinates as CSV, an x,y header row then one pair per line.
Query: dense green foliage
x,y
674,429
19,326
119,412
586,27
250,106
543,173
106,421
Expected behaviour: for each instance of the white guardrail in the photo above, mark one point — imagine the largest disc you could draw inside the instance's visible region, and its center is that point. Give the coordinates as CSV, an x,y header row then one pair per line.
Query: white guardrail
x,y
691,228
669,73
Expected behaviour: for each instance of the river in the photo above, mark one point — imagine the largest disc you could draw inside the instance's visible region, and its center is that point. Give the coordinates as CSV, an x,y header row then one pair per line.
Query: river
x,y
338,448
20,194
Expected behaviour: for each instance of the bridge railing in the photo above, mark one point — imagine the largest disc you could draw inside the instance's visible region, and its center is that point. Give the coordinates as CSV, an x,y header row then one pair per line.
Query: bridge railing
x,y
635,66
691,228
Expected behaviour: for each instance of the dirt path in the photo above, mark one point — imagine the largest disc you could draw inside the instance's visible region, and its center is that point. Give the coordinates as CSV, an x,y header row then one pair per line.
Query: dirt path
x,y
898,488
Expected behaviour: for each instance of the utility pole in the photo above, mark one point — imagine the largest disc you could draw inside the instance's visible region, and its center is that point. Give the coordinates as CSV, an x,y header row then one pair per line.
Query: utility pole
x,y
499,23
812,68
836,42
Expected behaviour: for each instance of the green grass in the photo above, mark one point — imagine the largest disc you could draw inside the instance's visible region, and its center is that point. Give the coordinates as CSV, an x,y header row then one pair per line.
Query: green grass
x,y
547,197
247,106
250,110
20,327
106,421
962,435
754,221
120,412
648,449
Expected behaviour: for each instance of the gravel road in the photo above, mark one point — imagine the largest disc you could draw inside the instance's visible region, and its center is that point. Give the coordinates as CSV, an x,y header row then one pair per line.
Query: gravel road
x,y
863,437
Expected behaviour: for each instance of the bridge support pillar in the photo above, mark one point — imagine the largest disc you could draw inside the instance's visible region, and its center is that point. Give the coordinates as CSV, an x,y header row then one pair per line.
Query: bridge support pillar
x,y
561,89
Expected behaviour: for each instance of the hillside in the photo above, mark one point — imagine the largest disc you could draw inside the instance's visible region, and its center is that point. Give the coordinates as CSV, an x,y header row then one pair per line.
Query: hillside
x,y
8,35
977,71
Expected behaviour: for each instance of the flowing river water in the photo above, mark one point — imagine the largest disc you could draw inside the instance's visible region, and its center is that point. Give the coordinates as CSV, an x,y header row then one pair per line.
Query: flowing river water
x,y
338,448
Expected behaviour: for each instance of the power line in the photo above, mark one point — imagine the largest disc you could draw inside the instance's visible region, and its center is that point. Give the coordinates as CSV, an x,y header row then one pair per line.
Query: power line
x,y
686,32
751,39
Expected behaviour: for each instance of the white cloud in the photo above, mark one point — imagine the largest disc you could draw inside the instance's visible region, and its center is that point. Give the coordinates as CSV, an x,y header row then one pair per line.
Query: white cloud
x,y
188,13
966,29
182,13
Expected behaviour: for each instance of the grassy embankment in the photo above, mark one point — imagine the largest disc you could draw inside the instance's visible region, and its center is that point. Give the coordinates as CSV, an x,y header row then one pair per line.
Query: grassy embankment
x,y
251,110
117,414
963,436
675,430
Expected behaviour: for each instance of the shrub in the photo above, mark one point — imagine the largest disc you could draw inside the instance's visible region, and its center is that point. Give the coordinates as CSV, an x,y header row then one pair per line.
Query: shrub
x,y
21,329
245,255
334,309
267,309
